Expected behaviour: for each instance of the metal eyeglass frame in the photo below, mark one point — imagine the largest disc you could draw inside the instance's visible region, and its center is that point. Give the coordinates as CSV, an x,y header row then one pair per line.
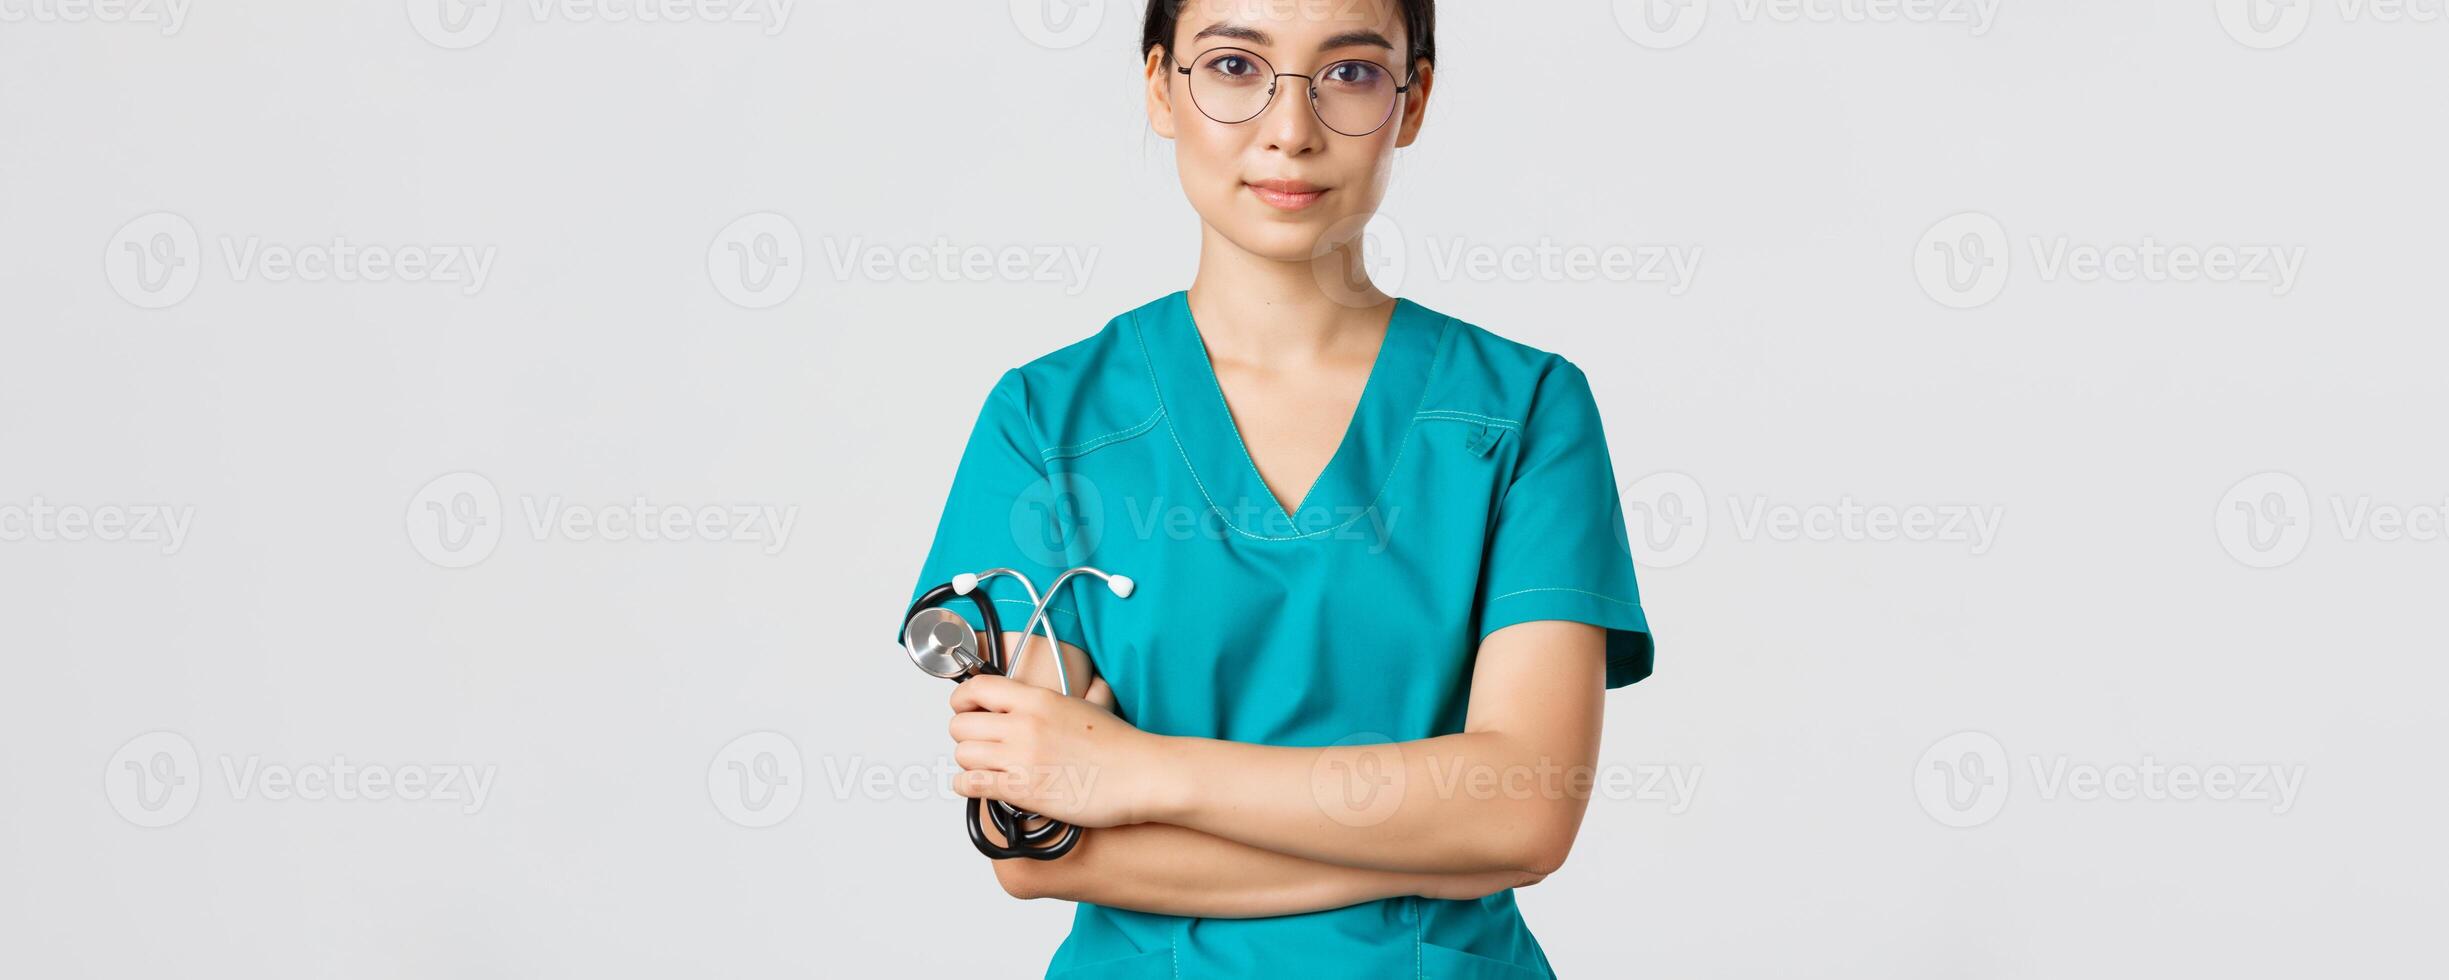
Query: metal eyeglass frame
x,y
1184,69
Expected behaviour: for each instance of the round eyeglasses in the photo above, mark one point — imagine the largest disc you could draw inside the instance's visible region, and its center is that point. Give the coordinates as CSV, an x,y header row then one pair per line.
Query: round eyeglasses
x,y
1352,97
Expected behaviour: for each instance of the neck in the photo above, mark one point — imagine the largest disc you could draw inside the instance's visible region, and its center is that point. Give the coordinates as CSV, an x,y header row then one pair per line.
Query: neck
x,y
1258,310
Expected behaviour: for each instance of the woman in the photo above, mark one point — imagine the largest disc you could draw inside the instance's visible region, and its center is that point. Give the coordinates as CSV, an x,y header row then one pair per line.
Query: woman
x,y
1382,572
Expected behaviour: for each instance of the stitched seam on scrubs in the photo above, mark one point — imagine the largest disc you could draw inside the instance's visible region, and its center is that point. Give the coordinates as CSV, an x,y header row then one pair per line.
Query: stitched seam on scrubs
x,y
1234,426
1025,602
1586,592
1092,445
1453,415
1400,448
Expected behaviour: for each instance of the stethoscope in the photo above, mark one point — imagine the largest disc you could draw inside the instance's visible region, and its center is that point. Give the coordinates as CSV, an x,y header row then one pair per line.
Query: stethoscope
x,y
945,645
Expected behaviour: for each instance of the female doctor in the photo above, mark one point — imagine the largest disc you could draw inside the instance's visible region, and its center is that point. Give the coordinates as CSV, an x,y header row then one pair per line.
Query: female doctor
x,y
1382,570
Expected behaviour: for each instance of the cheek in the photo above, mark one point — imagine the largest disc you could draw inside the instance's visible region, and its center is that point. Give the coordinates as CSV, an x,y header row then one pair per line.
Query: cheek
x,y
1206,149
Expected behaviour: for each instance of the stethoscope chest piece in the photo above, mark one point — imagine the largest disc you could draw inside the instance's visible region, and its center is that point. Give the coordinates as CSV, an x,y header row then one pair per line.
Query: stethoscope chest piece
x,y
941,643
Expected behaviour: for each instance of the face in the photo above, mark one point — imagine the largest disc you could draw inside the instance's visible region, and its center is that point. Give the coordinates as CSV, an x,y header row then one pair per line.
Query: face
x,y
1278,182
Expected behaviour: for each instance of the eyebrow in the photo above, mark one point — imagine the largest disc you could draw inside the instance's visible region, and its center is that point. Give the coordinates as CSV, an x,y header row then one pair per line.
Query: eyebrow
x,y
1253,35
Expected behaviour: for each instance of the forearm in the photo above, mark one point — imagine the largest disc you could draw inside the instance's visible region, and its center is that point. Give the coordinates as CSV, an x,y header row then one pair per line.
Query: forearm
x,y
1173,870
1469,802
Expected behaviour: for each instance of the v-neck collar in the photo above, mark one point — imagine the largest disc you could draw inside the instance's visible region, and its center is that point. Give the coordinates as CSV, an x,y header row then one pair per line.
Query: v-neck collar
x,y
1212,446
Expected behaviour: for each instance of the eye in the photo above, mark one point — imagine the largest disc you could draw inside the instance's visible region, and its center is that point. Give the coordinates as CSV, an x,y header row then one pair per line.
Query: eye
x,y
1355,74
1233,66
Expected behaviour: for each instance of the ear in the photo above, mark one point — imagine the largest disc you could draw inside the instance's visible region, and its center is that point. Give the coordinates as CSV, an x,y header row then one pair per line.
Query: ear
x,y
1416,104
1160,93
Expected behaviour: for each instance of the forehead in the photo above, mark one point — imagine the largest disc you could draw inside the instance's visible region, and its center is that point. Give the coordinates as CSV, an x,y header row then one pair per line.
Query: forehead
x,y
1292,24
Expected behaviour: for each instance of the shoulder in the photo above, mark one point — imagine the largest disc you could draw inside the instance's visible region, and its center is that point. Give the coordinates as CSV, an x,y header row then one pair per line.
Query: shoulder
x,y
1484,373
1091,387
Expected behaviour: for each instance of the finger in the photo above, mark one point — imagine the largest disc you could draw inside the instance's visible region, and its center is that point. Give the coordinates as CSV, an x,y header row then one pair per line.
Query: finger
x,y
980,784
1100,695
988,692
980,726
987,757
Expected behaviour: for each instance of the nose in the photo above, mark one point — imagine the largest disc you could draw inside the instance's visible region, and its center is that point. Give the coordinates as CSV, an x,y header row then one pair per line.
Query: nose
x,y
1291,125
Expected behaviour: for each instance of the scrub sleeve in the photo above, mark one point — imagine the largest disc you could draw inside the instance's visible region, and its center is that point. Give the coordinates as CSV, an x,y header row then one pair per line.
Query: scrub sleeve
x,y
1004,511
1560,548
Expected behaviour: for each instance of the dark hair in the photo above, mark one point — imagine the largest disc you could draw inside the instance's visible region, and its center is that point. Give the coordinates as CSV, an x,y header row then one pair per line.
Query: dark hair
x,y
1419,25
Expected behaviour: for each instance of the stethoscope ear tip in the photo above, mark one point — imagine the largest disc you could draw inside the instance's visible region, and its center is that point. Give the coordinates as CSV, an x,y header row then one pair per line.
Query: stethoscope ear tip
x,y
1121,584
964,583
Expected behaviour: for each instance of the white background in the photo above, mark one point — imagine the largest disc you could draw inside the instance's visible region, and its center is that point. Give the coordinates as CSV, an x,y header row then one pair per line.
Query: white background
x,y
2126,613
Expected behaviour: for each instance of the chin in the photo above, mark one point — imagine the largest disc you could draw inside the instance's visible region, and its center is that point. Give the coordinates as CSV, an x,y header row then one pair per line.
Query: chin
x,y
1276,238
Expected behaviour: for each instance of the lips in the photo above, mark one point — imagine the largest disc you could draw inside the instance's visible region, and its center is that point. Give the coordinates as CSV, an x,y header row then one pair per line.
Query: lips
x,y
1286,195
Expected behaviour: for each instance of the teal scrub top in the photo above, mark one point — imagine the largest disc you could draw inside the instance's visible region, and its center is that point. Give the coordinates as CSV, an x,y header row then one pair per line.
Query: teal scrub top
x,y
1472,490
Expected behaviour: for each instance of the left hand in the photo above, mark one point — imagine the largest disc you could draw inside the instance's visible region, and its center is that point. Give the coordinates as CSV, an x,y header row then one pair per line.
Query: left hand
x,y
1057,756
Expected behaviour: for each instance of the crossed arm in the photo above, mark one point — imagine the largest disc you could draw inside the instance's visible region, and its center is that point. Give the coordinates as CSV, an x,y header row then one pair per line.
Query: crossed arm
x,y
1202,827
